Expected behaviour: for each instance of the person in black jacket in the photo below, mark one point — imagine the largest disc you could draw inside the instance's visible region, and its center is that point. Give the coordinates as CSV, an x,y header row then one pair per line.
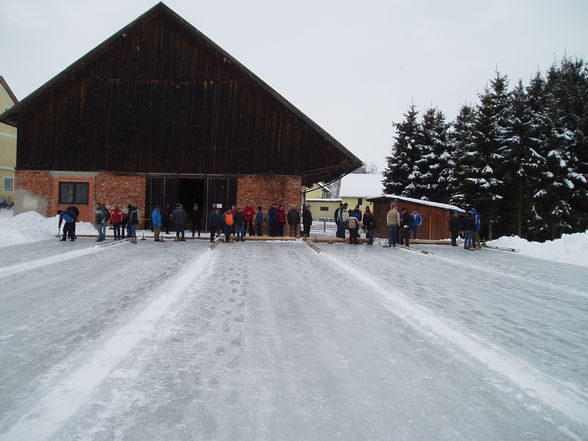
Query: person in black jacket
x,y
307,220
132,222
239,222
166,217
293,220
405,221
454,227
179,218
213,222
272,220
196,216
369,225
76,212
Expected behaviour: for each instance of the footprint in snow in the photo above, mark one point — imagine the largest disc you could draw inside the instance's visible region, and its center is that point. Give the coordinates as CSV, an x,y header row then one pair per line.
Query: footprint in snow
x,y
220,351
237,341
240,318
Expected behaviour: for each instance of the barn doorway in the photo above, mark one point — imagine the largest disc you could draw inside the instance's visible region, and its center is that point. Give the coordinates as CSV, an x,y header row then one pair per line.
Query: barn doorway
x,y
165,190
192,191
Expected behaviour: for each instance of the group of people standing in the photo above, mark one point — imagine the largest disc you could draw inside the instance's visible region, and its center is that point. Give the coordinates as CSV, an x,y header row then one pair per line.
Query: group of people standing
x,y
353,220
122,222
470,225
233,222
237,221
402,225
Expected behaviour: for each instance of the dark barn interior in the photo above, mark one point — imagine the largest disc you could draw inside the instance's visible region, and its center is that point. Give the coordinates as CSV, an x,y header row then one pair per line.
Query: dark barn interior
x,y
187,190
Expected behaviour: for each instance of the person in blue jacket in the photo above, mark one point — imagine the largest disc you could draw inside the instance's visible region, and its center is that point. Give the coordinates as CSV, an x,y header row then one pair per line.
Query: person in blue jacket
x,y
356,213
417,220
477,225
213,222
157,223
69,217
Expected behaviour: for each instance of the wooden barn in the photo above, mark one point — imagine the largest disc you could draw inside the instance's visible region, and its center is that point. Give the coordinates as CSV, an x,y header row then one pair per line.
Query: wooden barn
x,y
159,114
435,215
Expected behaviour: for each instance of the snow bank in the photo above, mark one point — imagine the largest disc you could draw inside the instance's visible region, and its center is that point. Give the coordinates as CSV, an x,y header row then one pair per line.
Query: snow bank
x,y
571,248
32,227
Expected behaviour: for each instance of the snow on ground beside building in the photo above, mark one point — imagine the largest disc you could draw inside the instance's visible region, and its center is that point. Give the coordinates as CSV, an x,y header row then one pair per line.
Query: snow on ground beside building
x,y
32,227
571,248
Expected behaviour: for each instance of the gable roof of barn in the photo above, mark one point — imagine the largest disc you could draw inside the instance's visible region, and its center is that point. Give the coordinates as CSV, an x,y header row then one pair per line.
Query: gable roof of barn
x,y
342,164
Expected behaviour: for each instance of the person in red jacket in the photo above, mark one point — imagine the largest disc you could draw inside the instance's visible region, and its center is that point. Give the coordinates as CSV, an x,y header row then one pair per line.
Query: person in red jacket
x,y
249,213
116,217
281,220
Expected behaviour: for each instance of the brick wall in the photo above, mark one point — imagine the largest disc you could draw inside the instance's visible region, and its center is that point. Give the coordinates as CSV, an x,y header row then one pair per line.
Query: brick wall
x,y
33,192
121,189
39,191
264,190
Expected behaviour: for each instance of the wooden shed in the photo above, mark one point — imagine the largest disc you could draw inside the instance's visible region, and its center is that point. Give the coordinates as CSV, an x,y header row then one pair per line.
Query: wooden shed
x,y
159,113
435,215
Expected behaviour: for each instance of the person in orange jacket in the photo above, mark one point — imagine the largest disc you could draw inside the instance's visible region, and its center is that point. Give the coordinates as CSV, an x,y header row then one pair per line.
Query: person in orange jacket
x,y
229,223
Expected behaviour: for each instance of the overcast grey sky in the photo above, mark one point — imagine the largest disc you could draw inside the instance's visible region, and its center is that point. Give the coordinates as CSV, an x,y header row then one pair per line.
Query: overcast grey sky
x,y
354,67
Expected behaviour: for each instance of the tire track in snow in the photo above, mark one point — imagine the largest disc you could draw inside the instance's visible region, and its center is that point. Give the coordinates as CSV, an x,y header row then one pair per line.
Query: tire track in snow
x,y
65,398
568,398
52,260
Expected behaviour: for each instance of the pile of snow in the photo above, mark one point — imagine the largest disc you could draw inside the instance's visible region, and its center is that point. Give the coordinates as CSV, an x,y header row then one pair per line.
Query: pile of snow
x,y
571,248
32,227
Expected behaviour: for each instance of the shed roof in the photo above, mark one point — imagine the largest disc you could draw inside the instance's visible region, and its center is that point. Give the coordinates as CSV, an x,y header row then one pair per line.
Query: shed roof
x,y
393,197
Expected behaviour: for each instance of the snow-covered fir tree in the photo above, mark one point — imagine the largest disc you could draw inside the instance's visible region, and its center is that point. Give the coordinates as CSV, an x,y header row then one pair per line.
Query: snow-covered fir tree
x,y
521,163
484,185
461,140
429,172
404,153
520,157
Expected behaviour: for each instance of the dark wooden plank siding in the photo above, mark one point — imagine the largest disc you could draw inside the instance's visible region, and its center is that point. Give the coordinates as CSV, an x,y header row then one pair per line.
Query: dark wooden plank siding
x,y
156,99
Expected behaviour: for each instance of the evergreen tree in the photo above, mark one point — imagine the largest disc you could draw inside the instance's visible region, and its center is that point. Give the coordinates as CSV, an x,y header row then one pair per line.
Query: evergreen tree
x,y
429,172
553,194
463,147
568,85
484,184
445,159
520,163
404,153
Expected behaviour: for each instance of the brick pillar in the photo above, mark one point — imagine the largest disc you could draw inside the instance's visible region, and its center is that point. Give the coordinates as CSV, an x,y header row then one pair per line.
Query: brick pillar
x,y
122,189
264,190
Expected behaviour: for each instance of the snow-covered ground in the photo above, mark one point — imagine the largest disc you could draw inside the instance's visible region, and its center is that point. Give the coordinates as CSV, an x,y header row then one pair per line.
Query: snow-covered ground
x,y
571,248
274,341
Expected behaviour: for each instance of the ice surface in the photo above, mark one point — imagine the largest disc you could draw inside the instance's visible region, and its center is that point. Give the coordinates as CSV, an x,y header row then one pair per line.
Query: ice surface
x,y
273,341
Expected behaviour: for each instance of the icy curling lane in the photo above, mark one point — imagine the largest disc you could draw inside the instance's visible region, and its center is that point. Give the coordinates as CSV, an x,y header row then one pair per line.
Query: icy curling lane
x,y
275,341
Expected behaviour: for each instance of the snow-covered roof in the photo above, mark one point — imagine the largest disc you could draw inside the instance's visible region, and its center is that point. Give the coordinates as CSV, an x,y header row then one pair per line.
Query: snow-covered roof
x,y
421,201
361,186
